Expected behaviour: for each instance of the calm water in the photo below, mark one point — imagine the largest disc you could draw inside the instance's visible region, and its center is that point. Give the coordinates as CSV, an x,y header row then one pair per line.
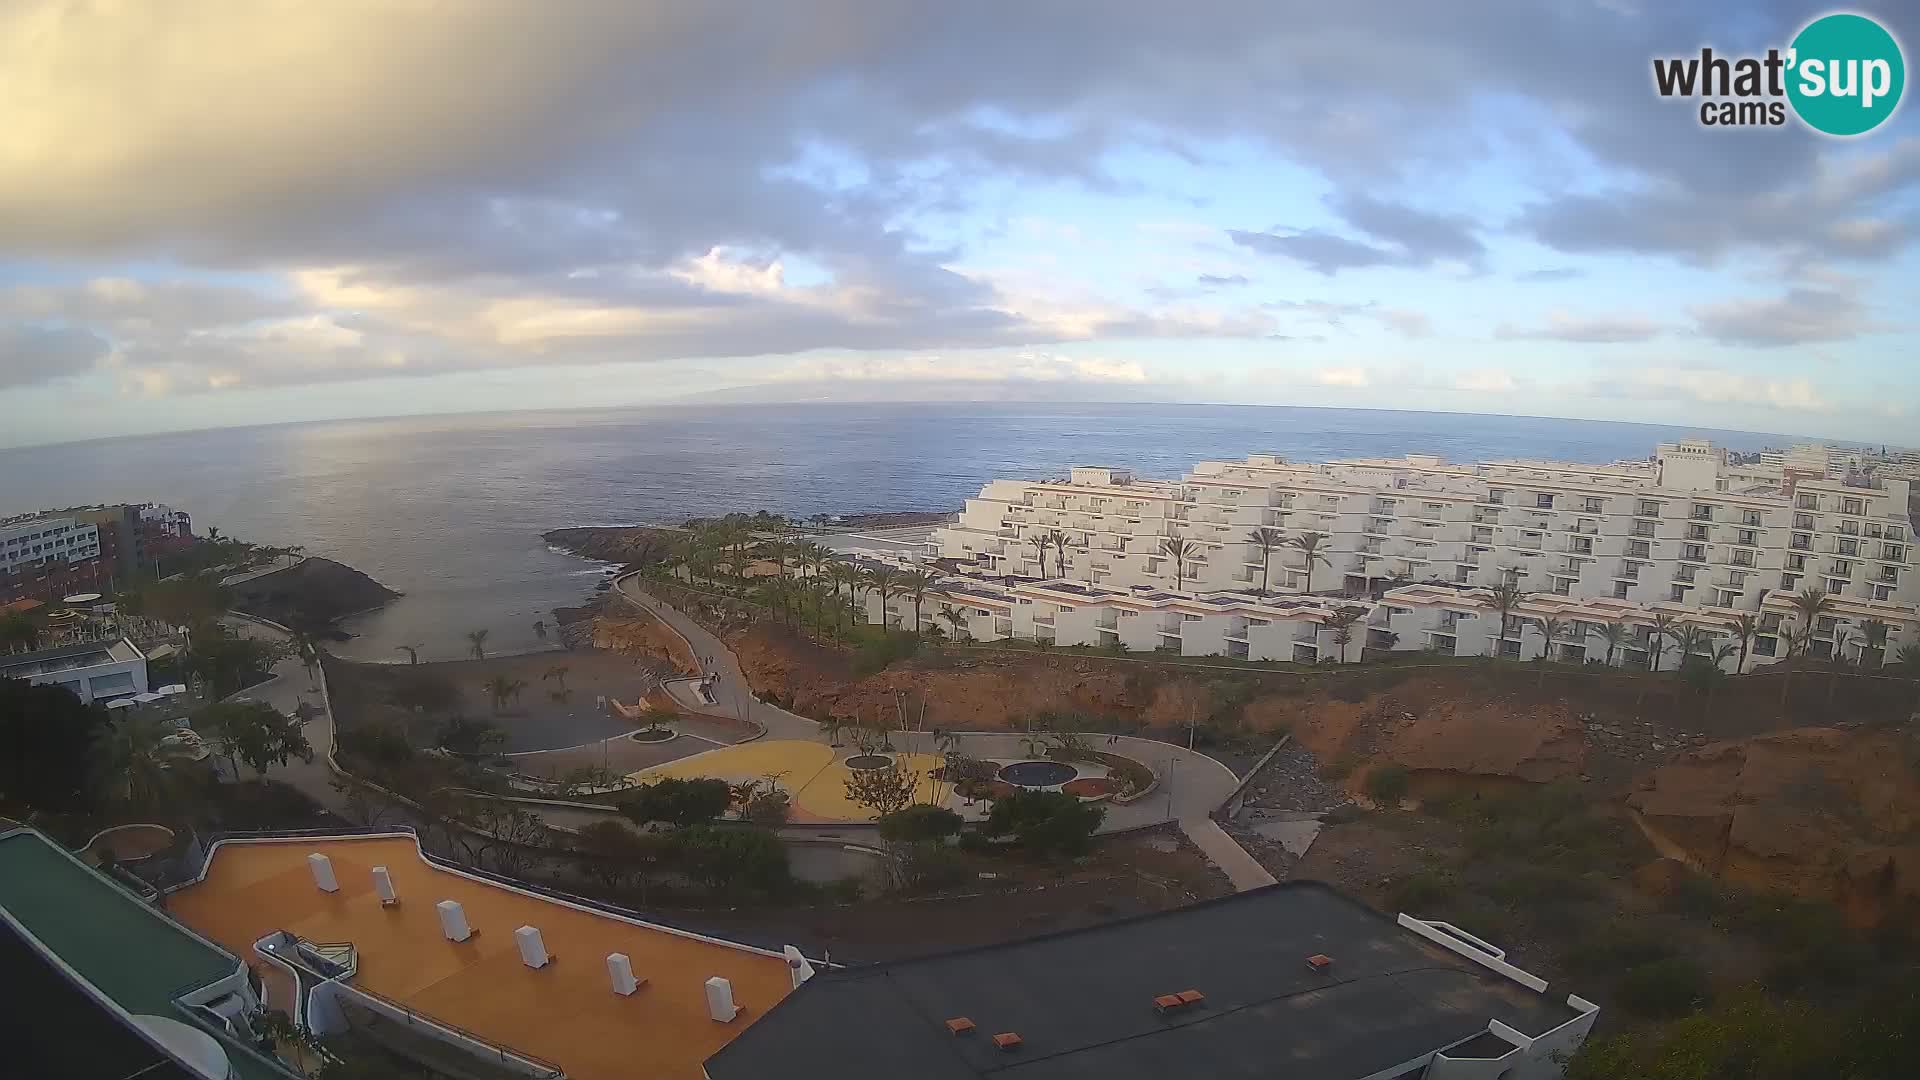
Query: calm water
x,y
449,510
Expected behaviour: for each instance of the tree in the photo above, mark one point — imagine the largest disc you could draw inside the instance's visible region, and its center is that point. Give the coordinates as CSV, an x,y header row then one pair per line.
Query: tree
x,y
1180,551
1615,634
46,733
1266,538
1705,673
1755,1037
914,839
469,738
883,580
18,631
1908,659
307,648
1039,542
134,763
253,732
227,661
618,854
1045,822
1873,638
1809,604
958,620
503,690
915,583
1308,543
1059,539
1551,628
1745,628
477,644
1342,621
882,791
412,651
1505,597
680,803
1690,640
557,674
732,859
1664,628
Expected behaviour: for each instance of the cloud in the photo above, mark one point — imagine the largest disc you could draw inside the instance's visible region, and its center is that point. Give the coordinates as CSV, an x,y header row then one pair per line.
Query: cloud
x,y
1797,317
1335,313
1592,329
1352,376
1026,367
1316,249
1553,273
1408,323
1422,237
1715,386
38,354
1222,280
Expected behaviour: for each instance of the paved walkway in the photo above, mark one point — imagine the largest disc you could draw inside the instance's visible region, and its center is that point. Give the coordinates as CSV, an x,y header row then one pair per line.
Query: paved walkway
x,y
287,690
1192,785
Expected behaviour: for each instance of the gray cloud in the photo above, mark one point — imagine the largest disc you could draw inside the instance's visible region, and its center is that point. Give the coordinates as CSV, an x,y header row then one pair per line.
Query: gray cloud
x,y
1552,273
1590,329
1222,280
1318,250
1425,237
38,354
1797,317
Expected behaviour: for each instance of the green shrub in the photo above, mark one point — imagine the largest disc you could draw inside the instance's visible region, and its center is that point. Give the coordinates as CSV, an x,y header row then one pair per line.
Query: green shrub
x,y
919,823
1663,989
879,652
681,803
1387,785
732,860
1045,822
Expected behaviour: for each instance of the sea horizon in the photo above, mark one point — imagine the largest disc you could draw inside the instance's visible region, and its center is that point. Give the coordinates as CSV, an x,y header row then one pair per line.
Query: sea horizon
x,y
449,509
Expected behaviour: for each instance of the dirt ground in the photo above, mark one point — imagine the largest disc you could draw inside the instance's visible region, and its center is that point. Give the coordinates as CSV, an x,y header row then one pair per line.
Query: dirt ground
x,y
1128,875
537,720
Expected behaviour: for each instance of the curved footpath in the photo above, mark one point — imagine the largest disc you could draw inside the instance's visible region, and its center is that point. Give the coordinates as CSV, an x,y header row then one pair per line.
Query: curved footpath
x,y
1192,785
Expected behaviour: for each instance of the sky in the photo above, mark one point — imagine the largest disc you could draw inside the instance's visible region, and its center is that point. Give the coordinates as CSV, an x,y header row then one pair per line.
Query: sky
x,y
216,212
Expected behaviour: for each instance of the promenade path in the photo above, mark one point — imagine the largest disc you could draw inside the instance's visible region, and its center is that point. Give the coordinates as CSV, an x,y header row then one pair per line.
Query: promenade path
x,y
1191,784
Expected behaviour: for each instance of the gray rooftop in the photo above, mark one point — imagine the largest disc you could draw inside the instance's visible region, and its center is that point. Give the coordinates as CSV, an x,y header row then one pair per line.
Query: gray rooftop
x,y
67,658
1082,1002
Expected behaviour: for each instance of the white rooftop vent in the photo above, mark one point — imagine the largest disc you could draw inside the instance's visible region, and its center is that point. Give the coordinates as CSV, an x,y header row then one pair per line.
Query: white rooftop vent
x,y
453,920
383,887
799,966
533,951
620,974
720,1004
322,868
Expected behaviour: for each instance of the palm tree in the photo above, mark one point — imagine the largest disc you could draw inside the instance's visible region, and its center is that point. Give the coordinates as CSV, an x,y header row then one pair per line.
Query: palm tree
x,y
1663,628
1713,675
1179,551
307,648
1309,543
1691,640
213,533
1506,596
1551,628
1059,539
1808,605
844,575
1873,634
1745,628
915,583
1040,541
477,644
1615,634
412,651
1909,660
1342,621
883,580
132,761
503,690
957,619
1266,538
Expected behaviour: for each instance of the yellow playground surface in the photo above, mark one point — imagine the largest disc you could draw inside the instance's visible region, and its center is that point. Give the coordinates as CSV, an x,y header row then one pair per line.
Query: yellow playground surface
x,y
812,772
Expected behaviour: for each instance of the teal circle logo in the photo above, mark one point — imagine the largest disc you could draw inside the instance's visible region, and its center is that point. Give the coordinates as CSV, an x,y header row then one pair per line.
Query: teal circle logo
x,y
1845,74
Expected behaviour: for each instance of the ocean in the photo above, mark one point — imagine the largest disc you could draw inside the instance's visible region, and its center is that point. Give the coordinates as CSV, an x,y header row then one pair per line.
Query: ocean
x,y
449,509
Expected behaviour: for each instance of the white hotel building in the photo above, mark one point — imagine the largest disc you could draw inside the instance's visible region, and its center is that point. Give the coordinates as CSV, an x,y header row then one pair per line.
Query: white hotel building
x,y
1686,534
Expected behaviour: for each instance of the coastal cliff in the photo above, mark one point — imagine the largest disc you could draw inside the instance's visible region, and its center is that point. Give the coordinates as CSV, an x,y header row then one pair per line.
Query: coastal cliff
x,y
631,545
311,593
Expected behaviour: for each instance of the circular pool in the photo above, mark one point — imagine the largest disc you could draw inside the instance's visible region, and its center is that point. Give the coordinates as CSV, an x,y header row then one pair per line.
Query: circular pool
x,y
866,762
1038,774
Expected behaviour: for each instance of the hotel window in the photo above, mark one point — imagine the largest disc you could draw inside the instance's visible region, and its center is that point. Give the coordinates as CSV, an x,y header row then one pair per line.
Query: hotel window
x,y
1693,553
1696,532
1747,537
1728,599
1827,624
1678,593
1648,508
1595,505
1639,549
1883,592
1894,532
1853,506
1851,528
1497,496
1849,547
1702,512
1543,501
1643,528
1619,590
1836,585
1750,517
1893,552
1743,558
1801,542
1841,568
1808,502
1789,581
1803,521
1683,573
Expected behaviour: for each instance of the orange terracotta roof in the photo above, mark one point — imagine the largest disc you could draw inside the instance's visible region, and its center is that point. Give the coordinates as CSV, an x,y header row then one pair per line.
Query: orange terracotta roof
x,y
565,1013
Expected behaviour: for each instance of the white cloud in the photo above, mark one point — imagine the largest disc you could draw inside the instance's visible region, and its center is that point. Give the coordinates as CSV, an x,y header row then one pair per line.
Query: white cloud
x,y
1715,386
1353,376
1031,367
1592,329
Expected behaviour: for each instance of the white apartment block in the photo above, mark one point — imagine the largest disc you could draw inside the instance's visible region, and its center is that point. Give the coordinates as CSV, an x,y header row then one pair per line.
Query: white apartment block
x,y
32,541
1684,533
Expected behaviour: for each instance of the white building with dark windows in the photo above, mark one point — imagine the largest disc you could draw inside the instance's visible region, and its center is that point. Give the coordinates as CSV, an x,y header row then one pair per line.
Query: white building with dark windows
x,y
1685,533
34,541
